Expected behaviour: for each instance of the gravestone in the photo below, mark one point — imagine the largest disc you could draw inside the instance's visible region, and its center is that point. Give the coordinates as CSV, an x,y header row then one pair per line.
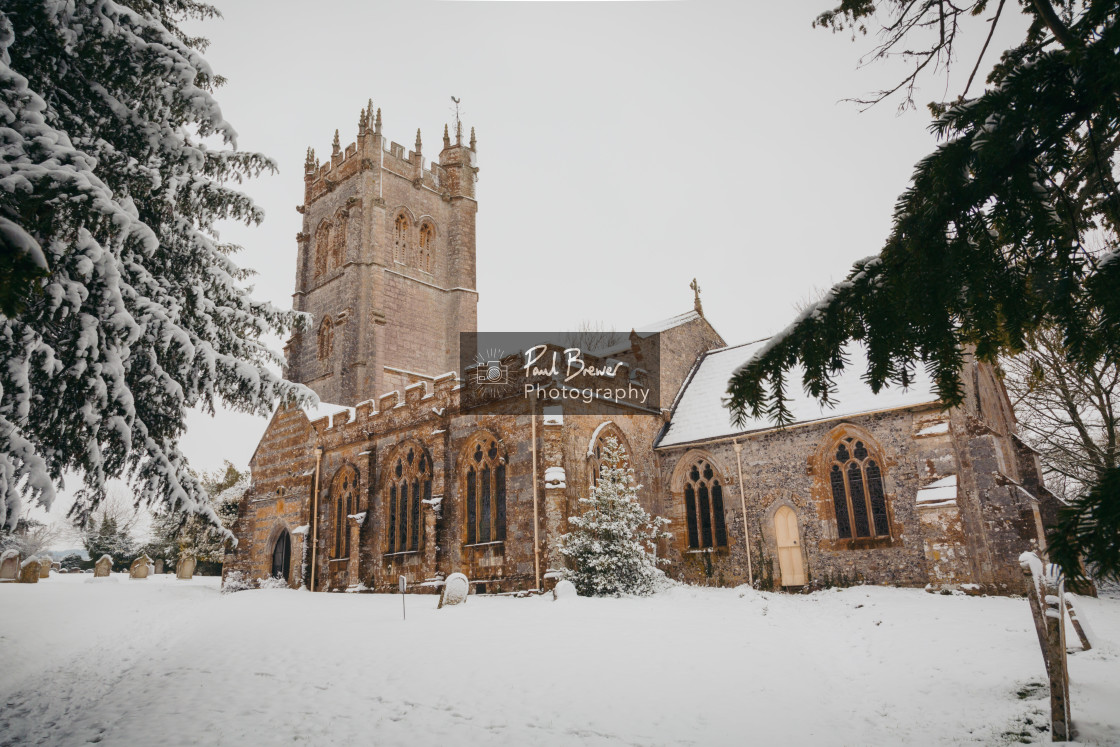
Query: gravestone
x,y
184,569
29,571
103,566
56,567
44,568
159,566
564,589
140,567
9,565
455,590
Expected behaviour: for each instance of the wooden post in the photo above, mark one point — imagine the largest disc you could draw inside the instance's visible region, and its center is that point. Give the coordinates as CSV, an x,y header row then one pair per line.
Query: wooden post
x,y
1046,593
1085,645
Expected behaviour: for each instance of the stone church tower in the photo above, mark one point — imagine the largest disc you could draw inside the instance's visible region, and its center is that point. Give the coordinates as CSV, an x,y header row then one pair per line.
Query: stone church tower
x,y
386,265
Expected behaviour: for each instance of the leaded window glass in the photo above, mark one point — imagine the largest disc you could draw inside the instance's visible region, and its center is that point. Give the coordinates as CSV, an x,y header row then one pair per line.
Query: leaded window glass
x,y
410,481
486,493
703,507
858,498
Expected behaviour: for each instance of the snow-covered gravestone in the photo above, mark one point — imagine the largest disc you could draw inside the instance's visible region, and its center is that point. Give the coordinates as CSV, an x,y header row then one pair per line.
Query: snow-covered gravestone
x,y
56,567
29,571
44,567
184,570
9,565
103,566
159,566
564,589
140,567
455,590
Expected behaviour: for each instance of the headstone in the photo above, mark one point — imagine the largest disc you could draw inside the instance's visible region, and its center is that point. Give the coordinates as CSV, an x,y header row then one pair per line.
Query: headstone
x,y
29,571
9,565
56,567
455,590
159,566
44,568
140,567
103,566
184,569
564,589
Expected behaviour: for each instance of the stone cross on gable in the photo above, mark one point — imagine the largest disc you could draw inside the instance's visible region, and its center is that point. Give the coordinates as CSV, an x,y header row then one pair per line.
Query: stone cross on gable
x,y
696,296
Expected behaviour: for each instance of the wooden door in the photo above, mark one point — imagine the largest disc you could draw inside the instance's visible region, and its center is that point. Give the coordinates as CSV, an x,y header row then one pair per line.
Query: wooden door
x,y
790,559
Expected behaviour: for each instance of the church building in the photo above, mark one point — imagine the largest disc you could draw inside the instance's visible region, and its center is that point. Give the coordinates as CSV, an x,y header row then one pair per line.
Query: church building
x,y
397,474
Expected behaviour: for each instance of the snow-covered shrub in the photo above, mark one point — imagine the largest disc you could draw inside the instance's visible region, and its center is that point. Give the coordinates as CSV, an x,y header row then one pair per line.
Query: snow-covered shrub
x,y
236,581
272,582
612,549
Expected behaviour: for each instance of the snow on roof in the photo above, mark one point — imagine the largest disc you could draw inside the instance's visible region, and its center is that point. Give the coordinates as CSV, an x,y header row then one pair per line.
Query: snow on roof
x,y
943,491
699,412
674,321
326,410
645,330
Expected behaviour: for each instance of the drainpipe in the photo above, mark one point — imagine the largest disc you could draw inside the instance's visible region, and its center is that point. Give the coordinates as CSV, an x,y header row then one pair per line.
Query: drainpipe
x,y
743,503
315,516
536,520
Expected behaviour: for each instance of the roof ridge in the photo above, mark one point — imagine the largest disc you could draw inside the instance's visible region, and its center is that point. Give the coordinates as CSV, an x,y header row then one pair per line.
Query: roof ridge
x,y
738,345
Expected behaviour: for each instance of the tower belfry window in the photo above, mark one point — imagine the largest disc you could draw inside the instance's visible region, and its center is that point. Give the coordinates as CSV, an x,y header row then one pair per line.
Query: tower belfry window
x,y
400,239
427,246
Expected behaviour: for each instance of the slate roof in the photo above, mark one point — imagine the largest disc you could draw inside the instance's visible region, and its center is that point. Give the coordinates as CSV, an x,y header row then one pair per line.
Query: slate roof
x,y
699,413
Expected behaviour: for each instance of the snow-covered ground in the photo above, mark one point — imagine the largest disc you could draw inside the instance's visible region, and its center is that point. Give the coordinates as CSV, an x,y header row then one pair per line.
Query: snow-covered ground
x,y
169,662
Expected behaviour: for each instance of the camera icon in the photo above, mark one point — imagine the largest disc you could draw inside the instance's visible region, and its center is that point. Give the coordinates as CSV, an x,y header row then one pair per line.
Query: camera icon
x,y
492,372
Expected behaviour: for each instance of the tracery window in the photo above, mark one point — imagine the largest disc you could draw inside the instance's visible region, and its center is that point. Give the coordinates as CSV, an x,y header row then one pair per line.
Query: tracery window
x,y
400,239
486,493
595,453
703,507
322,247
410,482
344,492
857,492
326,339
338,243
427,246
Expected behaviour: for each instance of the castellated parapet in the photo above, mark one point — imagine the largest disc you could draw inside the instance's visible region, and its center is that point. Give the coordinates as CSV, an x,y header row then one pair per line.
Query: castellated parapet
x,y
386,264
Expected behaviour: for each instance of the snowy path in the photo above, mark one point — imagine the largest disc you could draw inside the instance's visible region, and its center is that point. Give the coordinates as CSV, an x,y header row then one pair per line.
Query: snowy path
x,y
167,662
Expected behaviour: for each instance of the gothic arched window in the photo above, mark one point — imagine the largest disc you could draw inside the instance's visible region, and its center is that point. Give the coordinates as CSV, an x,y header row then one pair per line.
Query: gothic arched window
x,y
410,482
400,239
857,492
344,493
595,452
703,507
338,243
427,246
326,339
322,247
486,493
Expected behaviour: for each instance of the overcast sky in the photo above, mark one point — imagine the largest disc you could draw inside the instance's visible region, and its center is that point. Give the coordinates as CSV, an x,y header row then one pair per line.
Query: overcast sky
x,y
624,148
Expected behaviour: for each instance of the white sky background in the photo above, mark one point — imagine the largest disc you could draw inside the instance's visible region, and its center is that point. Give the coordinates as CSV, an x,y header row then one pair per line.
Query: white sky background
x,y
624,148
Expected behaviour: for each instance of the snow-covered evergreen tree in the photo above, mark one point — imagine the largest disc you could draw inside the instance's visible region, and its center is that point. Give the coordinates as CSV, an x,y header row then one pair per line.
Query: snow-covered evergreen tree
x,y
174,534
119,307
611,550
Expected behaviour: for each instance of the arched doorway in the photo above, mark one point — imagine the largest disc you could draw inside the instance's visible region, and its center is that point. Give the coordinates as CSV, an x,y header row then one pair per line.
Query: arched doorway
x,y
790,560
282,555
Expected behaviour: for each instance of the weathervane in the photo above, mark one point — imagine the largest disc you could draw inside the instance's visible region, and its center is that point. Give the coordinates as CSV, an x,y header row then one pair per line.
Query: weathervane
x,y
458,124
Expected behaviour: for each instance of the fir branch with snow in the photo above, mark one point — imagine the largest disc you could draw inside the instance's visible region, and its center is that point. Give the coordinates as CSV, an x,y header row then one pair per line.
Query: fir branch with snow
x,y
612,549
121,309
